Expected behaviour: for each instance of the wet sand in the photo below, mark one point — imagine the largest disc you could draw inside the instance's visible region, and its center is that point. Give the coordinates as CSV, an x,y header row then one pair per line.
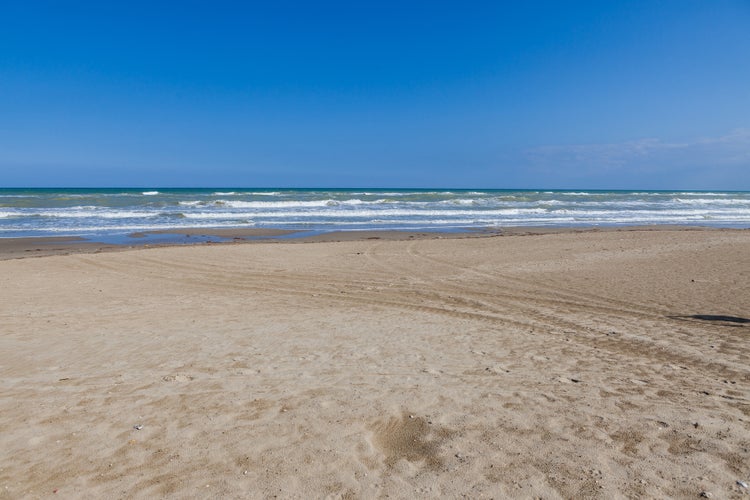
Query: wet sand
x,y
20,248
562,364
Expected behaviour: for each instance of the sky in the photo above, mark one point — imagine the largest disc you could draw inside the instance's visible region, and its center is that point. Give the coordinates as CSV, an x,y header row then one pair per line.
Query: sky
x,y
471,94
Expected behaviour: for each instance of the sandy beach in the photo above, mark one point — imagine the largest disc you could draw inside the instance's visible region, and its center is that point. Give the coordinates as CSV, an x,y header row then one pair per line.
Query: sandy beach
x,y
573,364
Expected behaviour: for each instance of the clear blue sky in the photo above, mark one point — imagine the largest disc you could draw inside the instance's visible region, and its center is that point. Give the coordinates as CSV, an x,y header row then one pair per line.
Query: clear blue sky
x,y
600,94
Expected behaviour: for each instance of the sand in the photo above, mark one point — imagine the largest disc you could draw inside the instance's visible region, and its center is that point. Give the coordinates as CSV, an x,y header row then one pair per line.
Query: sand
x,y
567,365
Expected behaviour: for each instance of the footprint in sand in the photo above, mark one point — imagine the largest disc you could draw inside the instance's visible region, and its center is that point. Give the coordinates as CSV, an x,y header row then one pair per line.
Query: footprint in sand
x,y
177,378
411,438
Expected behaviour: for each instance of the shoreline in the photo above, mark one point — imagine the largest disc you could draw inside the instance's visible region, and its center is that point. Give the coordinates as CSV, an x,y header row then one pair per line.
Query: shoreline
x,y
44,246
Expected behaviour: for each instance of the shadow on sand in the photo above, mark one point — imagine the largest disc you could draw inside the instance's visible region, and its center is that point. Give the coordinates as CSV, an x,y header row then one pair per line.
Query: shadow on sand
x,y
715,318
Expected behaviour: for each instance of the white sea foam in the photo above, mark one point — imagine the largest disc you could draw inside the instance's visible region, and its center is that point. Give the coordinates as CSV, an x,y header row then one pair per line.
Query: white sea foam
x,y
150,193
95,214
363,213
291,203
461,201
701,193
710,201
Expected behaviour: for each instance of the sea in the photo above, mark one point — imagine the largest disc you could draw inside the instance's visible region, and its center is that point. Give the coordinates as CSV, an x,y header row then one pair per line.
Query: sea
x,y
99,213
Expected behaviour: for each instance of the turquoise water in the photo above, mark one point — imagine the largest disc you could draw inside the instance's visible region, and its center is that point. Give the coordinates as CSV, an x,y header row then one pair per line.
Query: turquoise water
x,y
85,212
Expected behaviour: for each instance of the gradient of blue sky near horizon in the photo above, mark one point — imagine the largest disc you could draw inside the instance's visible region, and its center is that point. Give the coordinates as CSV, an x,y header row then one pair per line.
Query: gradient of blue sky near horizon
x,y
619,94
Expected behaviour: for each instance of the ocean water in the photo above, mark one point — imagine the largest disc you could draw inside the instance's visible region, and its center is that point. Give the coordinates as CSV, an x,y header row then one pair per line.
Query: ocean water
x,y
87,212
